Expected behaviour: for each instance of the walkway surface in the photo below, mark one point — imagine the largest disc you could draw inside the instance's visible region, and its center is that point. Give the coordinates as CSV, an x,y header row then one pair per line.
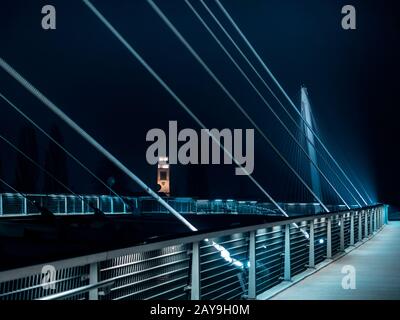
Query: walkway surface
x,y
377,272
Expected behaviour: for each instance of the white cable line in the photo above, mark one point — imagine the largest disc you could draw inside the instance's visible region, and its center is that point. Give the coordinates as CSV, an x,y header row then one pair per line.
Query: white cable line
x,y
272,93
265,101
236,103
182,104
12,145
285,94
58,144
174,96
50,105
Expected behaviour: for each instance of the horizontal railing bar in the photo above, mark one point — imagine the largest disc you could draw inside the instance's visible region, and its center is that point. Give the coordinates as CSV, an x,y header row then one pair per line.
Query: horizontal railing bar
x,y
40,285
149,269
147,289
141,261
76,291
127,285
269,275
164,292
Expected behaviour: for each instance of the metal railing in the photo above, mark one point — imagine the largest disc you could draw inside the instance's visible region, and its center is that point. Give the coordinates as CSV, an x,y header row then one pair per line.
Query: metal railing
x,y
16,204
191,268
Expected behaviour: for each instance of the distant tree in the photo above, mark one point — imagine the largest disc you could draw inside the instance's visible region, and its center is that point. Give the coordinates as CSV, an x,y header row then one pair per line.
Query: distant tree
x,y
56,164
26,174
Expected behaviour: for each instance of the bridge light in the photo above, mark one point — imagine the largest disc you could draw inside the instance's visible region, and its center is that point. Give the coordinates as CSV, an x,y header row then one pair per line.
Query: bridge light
x,y
237,263
321,241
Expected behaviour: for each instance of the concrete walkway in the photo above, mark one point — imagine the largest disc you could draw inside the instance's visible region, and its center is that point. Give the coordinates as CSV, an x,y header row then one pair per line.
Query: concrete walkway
x,y
377,269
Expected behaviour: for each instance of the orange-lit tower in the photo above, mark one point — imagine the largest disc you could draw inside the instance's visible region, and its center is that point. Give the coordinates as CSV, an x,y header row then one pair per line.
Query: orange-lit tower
x,y
163,175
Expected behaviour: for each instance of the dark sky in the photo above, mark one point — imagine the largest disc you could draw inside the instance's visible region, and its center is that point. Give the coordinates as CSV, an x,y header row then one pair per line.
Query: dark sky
x,y
351,76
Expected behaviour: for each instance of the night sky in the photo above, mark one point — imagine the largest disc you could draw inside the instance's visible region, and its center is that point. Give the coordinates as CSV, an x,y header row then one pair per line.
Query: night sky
x,y
351,77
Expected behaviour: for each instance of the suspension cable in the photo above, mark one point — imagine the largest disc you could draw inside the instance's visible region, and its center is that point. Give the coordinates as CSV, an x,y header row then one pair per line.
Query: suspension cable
x,y
285,94
235,102
274,95
58,144
263,99
12,145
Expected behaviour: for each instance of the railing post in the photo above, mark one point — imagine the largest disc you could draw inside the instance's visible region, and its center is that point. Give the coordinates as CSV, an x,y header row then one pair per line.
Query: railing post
x,y
375,221
252,266
329,238
371,226
98,203
1,204
366,224
352,228
111,205
386,214
311,256
359,226
195,280
82,206
93,279
341,233
65,205
25,206
383,216
286,273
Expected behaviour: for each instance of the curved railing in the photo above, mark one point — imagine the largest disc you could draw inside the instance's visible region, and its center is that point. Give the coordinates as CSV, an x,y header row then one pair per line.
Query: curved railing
x,y
192,268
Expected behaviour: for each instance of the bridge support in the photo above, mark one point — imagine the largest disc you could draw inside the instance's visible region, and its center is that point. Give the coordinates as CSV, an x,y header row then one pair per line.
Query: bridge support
x,y
359,226
307,115
341,233
386,214
286,273
329,238
93,279
352,228
371,225
195,280
65,204
311,253
366,224
252,266
25,208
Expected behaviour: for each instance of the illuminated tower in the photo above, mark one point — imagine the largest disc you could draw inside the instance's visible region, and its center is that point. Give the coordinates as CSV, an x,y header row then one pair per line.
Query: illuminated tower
x,y
163,175
307,115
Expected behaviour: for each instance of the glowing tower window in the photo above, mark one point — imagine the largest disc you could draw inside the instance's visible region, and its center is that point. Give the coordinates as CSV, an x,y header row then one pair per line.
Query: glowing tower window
x,y
163,175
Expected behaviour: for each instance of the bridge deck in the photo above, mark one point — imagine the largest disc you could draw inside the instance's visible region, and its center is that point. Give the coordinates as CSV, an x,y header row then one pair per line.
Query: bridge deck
x,y
377,264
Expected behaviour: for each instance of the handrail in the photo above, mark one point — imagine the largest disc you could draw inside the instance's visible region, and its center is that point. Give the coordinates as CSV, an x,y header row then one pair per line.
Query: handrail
x,y
80,290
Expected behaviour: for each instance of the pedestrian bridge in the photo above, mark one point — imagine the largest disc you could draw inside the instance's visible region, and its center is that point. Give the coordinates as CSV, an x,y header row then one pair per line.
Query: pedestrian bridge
x,y
290,258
